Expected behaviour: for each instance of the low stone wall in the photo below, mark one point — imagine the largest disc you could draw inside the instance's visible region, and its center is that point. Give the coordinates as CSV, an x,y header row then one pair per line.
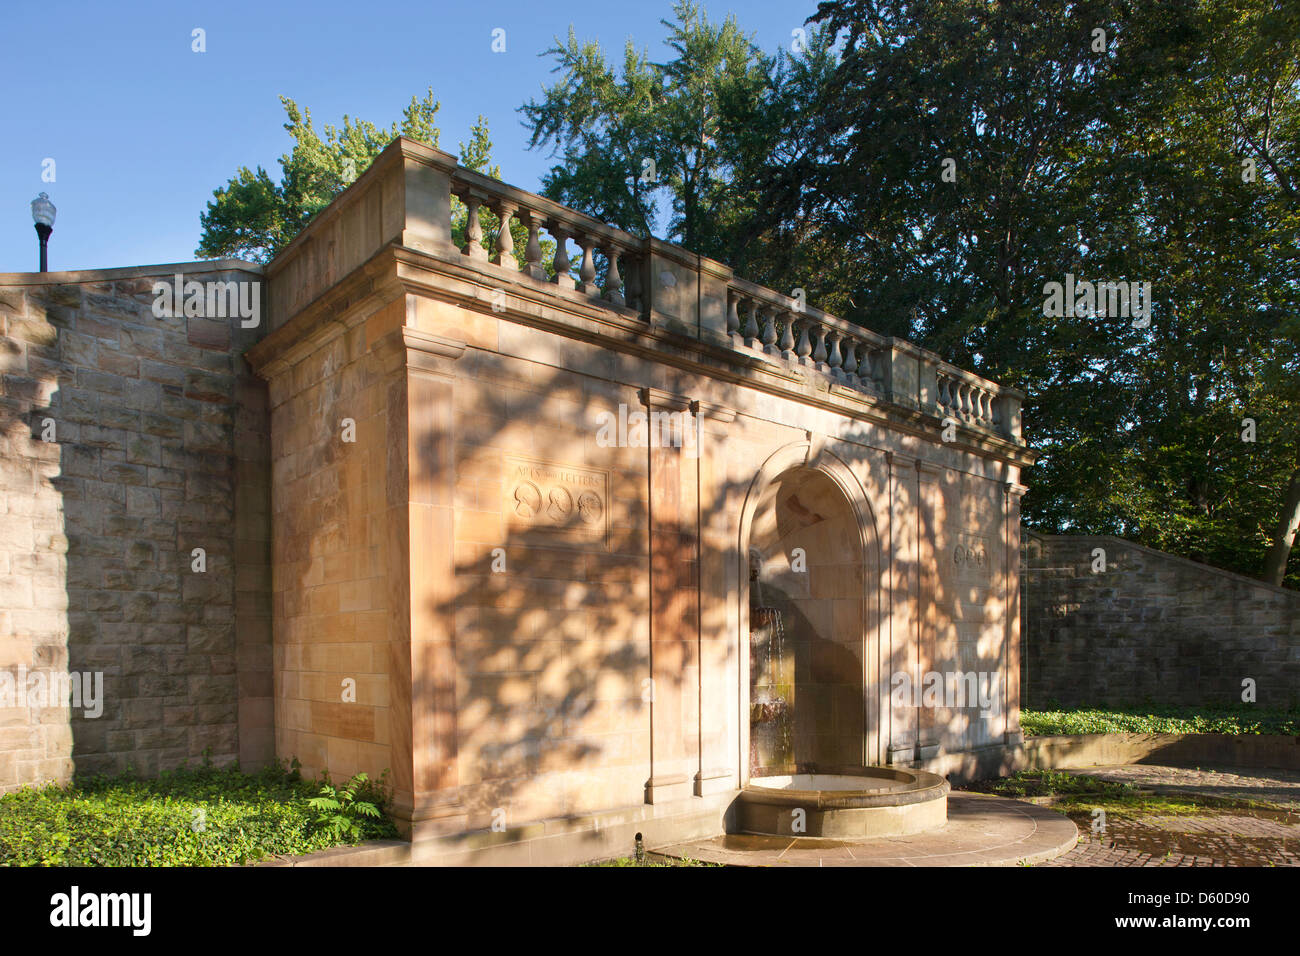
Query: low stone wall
x,y
1075,751
126,441
1151,628
1078,751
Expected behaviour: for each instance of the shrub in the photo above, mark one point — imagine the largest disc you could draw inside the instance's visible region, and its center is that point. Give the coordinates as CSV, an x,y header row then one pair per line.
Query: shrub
x,y
343,811
203,816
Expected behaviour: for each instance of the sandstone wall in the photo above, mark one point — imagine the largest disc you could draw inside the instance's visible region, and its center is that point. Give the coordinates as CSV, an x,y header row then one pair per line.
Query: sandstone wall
x,y
338,483
1152,627
160,446
549,596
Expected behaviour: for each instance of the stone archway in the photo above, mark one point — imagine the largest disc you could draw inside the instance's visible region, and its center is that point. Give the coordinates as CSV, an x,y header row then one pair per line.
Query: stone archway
x,y
809,618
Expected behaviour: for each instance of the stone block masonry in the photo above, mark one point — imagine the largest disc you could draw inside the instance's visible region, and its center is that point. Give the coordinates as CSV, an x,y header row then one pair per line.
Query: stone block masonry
x,y
539,633
127,440
1153,628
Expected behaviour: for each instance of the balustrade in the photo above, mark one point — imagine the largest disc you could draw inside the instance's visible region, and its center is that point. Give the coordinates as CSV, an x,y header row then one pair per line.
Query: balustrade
x,y
755,319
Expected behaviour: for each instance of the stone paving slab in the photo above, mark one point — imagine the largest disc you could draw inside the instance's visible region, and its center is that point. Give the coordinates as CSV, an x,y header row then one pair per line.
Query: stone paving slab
x,y
1278,787
982,830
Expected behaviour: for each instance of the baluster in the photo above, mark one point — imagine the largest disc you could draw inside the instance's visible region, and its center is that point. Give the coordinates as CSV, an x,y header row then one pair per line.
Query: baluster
x,y
505,254
533,251
733,314
963,395
804,348
851,357
587,271
835,359
561,262
474,229
769,328
613,281
787,337
750,329
819,351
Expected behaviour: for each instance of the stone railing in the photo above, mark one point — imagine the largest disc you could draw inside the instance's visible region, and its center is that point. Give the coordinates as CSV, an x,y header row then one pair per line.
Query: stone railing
x,y
659,281
405,197
775,325
968,398
619,282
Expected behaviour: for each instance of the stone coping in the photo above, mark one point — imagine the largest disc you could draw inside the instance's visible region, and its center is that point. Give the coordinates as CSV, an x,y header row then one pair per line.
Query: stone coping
x,y
128,272
370,853
920,786
1029,535
1076,751
982,830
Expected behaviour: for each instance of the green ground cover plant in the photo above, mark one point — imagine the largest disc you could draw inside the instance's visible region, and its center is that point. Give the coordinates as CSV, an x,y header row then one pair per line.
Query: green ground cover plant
x,y
193,816
1241,719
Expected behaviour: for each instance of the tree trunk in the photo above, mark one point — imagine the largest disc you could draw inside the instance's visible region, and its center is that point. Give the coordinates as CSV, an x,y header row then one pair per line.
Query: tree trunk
x,y
1284,536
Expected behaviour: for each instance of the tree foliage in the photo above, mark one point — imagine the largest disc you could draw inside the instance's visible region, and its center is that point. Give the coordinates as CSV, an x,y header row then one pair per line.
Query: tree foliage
x,y
686,142
253,217
1112,156
1104,139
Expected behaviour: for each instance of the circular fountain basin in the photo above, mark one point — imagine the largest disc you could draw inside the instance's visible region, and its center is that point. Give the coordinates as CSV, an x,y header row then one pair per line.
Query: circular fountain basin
x,y
844,803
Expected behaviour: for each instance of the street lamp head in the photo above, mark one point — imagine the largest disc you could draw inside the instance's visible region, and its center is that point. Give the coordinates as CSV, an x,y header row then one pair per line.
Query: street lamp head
x,y
43,211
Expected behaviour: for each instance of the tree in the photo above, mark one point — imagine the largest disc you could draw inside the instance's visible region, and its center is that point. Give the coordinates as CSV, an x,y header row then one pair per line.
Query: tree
x,y
253,218
692,136
1103,140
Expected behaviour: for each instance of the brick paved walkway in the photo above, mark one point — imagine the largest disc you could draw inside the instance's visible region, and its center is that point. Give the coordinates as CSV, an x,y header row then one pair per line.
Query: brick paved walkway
x,y
1225,838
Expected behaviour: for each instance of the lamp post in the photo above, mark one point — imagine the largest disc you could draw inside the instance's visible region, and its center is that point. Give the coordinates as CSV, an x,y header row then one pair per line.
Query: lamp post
x,y
43,214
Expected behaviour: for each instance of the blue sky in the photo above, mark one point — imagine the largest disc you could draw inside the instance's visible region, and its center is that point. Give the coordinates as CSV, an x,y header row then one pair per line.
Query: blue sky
x,y
142,129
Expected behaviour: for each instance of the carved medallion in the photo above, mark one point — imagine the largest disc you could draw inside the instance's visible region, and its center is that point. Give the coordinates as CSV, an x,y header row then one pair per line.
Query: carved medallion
x,y
528,499
972,556
590,507
559,502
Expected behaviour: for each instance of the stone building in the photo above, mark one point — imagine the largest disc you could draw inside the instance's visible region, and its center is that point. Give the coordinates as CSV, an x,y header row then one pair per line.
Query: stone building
x,y
573,551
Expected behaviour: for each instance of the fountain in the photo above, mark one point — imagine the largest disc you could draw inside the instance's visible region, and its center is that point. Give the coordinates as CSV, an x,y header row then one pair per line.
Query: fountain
x,y
844,803
787,798
771,714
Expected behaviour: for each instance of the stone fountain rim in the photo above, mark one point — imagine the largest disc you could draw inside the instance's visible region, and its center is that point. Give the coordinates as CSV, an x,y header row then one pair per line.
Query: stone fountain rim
x,y
927,786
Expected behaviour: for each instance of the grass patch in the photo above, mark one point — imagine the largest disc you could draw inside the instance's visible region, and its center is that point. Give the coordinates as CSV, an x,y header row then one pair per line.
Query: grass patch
x,y
204,816
1241,719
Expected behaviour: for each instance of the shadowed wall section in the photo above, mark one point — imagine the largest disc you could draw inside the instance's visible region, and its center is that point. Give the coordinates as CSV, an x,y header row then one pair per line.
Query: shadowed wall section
x,y
1152,627
808,628
130,439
